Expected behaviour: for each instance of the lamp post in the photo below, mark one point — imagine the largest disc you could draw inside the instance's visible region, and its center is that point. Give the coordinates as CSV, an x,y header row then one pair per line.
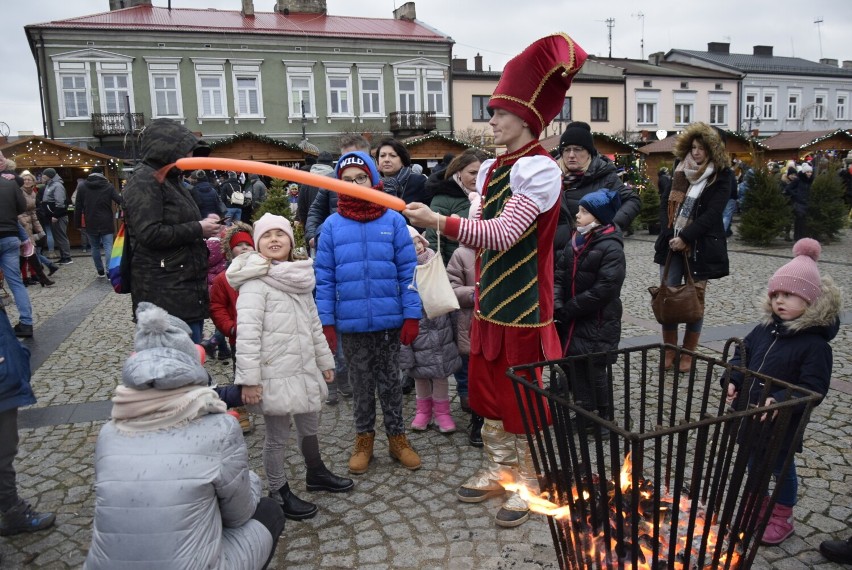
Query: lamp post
x,y
754,117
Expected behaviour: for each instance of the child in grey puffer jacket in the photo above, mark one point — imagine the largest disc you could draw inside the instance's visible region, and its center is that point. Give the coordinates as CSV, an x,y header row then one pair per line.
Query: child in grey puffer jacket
x,y
430,360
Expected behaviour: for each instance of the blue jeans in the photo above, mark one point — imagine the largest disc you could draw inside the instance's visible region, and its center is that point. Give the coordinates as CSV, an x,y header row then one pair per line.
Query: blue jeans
x,y
728,214
461,375
98,240
197,328
788,487
10,251
676,277
49,235
234,213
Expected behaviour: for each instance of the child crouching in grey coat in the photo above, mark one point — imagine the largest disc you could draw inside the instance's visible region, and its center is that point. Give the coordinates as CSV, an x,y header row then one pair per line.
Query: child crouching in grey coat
x,y
430,360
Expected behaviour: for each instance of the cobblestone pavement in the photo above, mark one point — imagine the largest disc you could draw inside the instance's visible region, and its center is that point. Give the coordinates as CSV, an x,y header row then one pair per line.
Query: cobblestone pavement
x,y
395,518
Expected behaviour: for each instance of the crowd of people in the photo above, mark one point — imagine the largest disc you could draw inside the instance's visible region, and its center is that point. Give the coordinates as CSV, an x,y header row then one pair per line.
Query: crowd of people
x,y
534,252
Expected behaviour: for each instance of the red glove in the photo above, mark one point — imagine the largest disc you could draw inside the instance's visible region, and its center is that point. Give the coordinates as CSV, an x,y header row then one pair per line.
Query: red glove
x,y
331,337
410,328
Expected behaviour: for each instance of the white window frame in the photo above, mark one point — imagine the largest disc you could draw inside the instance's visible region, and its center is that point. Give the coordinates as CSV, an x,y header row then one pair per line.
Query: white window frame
x,y
769,105
684,100
429,96
412,95
247,69
820,108
371,73
841,111
301,70
73,69
647,98
339,73
646,113
105,69
165,67
750,106
207,69
794,108
717,108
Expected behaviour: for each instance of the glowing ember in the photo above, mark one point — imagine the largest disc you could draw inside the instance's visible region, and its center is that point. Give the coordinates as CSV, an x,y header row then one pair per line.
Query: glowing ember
x,y
595,546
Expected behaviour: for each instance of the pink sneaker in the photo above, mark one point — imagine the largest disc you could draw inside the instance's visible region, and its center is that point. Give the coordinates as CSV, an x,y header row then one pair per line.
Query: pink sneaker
x,y
780,525
422,415
442,416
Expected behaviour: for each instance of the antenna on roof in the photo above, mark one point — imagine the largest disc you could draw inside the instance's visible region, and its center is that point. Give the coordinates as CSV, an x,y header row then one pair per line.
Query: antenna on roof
x,y
610,23
818,21
641,16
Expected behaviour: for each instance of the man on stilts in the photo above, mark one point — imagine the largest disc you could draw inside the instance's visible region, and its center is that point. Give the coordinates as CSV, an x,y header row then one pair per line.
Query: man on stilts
x,y
514,231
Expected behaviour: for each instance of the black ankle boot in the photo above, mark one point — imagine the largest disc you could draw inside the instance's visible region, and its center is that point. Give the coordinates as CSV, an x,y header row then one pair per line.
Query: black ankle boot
x,y
321,479
294,508
474,433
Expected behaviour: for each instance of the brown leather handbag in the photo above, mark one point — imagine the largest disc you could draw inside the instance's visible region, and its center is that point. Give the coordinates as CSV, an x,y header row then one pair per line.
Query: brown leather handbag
x,y
673,304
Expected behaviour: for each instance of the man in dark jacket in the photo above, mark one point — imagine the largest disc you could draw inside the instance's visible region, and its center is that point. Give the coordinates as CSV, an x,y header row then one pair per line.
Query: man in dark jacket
x,y
94,203
307,194
16,514
584,171
169,263
226,193
205,196
12,203
56,206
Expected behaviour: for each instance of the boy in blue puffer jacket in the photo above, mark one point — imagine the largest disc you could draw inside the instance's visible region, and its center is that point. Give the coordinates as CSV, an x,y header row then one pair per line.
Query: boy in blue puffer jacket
x,y
365,261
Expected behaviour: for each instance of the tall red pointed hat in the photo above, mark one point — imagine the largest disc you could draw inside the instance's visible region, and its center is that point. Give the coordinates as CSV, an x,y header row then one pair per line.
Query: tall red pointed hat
x,y
534,82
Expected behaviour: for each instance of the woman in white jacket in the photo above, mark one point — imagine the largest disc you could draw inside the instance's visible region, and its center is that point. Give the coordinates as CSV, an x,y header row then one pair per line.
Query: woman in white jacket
x,y
283,358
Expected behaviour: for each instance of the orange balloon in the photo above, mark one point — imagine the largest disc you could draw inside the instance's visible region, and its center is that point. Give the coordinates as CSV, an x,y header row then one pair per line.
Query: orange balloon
x,y
293,175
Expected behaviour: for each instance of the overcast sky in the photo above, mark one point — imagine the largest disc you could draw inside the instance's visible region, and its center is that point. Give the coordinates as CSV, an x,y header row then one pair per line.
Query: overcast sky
x,y
498,29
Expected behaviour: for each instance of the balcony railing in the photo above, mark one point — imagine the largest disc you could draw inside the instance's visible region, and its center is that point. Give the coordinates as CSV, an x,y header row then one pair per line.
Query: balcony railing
x,y
424,121
106,124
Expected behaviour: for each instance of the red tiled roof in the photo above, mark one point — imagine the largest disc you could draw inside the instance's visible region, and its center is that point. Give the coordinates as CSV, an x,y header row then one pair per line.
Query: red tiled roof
x,y
232,21
800,139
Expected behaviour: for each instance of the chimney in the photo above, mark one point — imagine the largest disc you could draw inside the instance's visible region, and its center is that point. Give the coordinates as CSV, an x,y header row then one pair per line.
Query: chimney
x,y
655,58
827,61
763,50
248,8
302,6
405,12
477,62
719,47
847,64
119,4
459,64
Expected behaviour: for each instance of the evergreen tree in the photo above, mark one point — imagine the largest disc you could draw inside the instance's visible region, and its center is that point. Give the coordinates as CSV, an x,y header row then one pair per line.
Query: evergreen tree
x,y
649,213
765,210
278,202
826,212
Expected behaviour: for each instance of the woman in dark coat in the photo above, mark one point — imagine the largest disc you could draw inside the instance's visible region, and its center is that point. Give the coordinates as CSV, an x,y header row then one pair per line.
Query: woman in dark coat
x,y
700,189
394,164
169,263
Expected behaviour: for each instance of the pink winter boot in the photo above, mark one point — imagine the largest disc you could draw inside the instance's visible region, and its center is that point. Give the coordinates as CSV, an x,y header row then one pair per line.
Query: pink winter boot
x,y
422,415
780,525
443,418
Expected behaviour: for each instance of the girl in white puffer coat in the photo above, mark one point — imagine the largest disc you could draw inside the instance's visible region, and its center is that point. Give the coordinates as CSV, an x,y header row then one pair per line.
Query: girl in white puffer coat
x,y
283,358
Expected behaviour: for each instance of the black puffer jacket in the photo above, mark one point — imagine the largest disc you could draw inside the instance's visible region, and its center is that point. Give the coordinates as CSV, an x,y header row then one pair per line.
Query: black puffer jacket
x,y
587,292
708,255
600,174
207,199
94,201
169,264
795,351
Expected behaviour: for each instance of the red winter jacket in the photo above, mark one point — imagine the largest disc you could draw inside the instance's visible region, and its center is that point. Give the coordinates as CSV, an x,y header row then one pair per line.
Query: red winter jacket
x,y
223,307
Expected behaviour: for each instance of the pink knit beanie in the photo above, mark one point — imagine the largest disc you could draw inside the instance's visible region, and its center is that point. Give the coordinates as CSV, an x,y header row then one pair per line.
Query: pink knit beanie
x,y
272,222
801,276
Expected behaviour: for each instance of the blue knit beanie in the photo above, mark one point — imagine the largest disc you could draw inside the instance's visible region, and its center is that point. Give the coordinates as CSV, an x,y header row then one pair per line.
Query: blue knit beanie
x,y
603,204
360,160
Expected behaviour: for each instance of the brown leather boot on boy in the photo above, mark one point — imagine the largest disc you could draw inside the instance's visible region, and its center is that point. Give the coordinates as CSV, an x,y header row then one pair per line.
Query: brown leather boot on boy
x,y
401,450
363,452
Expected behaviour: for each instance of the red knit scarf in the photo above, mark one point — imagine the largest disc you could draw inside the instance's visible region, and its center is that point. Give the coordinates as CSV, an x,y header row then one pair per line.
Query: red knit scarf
x,y
357,209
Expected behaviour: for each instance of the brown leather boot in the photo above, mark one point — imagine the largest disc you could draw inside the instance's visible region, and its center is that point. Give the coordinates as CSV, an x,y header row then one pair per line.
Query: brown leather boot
x,y
669,337
401,450
690,342
245,420
363,452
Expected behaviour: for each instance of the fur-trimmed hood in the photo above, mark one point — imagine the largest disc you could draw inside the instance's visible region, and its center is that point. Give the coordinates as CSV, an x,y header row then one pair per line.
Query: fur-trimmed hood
x,y
711,139
229,233
823,317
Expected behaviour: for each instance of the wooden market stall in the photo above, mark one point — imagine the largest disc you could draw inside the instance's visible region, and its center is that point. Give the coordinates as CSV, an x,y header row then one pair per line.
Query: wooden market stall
x,y
72,163
604,143
659,153
249,146
797,145
429,149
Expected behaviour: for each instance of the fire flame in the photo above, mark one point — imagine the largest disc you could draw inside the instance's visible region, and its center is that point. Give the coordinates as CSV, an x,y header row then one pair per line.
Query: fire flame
x,y
539,502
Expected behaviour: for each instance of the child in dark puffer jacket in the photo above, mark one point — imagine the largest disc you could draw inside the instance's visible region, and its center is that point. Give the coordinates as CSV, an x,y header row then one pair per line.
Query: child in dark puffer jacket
x,y
430,359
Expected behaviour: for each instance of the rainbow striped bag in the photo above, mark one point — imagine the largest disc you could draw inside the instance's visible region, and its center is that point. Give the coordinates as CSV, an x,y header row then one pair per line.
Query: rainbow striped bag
x,y
119,263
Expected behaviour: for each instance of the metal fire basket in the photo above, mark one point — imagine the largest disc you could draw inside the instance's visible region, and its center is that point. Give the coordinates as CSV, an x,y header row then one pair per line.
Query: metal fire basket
x,y
676,478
